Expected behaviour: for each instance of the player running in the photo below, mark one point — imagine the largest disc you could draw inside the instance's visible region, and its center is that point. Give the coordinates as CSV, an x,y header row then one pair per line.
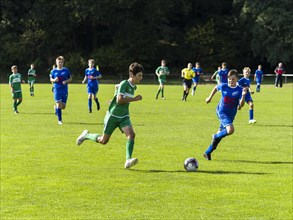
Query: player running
x,y
198,71
232,98
258,77
118,115
92,76
223,73
15,81
162,71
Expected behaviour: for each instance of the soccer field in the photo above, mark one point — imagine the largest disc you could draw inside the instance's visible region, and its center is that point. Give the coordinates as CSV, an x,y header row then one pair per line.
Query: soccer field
x,y
44,175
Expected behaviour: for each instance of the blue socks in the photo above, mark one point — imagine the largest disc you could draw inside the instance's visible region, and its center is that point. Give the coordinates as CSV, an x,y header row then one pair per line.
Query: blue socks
x,y
251,114
90,104
59,114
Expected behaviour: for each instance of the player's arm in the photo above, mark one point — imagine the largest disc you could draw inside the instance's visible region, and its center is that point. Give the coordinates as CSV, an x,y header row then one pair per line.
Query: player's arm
x,y
53,80
276,71
182,73
242,100
213,92
84,79
68,80
124,100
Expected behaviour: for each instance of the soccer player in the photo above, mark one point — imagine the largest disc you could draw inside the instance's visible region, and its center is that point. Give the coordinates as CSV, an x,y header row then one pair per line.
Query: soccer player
x,y
60,76
15,81
187,74
92,76
31,79
217,75
118,114
279,72
198,71
232,98
258,77
223,73
244,82
161,72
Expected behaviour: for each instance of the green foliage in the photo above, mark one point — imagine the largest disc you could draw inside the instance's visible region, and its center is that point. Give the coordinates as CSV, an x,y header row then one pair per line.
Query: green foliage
x,y
44,175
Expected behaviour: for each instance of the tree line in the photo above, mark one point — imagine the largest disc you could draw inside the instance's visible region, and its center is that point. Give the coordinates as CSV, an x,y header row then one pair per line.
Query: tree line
x,y
118,32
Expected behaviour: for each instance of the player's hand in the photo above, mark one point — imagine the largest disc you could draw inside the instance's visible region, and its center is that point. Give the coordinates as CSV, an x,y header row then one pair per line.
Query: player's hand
x,y
252,92
64,82
91,77
82,81
138,97
244,91
208,100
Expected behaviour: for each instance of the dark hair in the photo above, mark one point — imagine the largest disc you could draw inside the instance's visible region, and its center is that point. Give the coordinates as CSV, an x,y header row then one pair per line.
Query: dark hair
x,y
135,68
233,72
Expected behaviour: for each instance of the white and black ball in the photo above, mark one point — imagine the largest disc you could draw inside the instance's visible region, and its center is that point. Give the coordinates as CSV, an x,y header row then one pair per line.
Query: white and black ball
x,y
191,164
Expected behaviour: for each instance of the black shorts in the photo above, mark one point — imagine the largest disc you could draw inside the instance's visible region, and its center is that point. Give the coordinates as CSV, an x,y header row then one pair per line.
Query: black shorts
x,y
187,82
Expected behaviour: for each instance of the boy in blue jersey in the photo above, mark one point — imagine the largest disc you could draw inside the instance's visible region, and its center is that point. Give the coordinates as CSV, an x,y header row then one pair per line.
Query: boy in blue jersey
x,y
198,71
60,76
223,73
92,75
258,77
232,98
118,114
244,82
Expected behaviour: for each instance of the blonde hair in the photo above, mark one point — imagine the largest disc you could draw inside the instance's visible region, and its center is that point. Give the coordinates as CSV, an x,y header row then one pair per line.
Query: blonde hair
x,y
91,60
60,58
247,69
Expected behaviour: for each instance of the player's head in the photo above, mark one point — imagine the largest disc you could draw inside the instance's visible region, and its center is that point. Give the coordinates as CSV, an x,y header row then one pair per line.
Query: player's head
x,y
189,65
14,69
32,66
224,65
232,77
246,72
197,64
280,64
136,72
60,61
163,62
91,62
259,67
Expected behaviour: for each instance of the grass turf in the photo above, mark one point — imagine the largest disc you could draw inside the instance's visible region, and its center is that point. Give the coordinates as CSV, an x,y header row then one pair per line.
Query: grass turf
x,y
44,175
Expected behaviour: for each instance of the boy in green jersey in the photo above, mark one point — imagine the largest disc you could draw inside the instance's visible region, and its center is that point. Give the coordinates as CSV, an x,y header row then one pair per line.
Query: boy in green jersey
x,y
161,72
15,86
31,78
118,114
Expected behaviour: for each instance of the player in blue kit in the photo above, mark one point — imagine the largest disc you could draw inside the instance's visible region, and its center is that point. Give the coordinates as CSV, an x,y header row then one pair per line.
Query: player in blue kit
x,y
195,80
223,73
232,98
244,82
258,77
60,77
92,76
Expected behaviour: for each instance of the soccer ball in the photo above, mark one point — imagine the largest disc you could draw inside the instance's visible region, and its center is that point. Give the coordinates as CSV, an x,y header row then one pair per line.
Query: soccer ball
x,y
191,164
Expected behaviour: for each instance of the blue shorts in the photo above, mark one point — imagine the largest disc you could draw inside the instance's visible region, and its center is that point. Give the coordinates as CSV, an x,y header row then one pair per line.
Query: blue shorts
x,y
225,120
258,81
60,95
92,89
195,79
248,97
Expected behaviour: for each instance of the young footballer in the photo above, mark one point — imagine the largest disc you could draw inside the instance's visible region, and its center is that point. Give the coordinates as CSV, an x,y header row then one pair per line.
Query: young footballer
x,y
118,114
216,75
258,77
198,71
32,79
279,71
92,76
223,73
162,71
244,82
232,98
187,74
15,81
60,76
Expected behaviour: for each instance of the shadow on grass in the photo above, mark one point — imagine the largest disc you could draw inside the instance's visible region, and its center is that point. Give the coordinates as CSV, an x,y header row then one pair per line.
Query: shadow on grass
x,y
84,123
263,125
219,172
259,162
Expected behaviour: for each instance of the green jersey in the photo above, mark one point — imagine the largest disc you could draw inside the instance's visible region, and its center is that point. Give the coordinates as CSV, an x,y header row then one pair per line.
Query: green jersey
x,y
162,71
126,89
31,75
15,81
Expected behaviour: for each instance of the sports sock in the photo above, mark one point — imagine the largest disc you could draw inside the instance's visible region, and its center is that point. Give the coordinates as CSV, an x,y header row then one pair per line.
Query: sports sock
x,y
186,94
183,97
209,150
194,88
92,137
221,134
129,148
18,103
59,114
98,104
90,104
15,105
158,93
251,114
162,92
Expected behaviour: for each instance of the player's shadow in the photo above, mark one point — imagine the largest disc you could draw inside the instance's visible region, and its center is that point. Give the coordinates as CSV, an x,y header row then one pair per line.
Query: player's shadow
x,y
264,125
217,172
259,162
84,123
36,113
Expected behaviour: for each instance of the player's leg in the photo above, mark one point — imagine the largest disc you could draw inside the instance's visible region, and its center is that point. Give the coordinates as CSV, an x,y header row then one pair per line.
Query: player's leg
x,y
95,92
90,102
194,87
281,81
162,89
32,88
159,90
251,112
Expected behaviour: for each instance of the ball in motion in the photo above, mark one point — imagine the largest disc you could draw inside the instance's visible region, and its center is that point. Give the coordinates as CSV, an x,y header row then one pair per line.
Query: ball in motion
x,y
191,164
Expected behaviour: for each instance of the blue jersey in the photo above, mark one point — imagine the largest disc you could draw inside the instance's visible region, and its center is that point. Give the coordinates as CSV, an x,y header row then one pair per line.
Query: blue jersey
x,y
197,71
244,82
223,74
92,72
258,75
62,75
229,102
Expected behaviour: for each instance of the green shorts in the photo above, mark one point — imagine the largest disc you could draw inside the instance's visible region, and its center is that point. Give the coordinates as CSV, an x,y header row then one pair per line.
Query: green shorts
x,y
111,123
17,95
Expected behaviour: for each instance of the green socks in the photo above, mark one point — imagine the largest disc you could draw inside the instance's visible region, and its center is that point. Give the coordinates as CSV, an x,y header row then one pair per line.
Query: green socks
x,y
129,148
92,137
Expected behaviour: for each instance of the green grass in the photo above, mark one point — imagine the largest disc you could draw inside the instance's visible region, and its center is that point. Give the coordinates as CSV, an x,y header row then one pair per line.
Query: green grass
x,y
44,175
